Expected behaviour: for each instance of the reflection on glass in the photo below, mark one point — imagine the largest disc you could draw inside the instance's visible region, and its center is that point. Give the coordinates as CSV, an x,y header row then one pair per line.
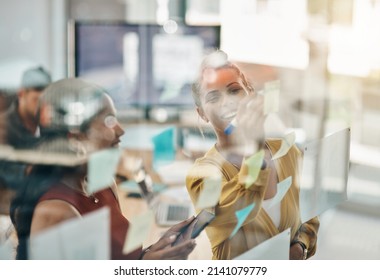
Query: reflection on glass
x,y
108,54
276,248
324,174
62,243
142,64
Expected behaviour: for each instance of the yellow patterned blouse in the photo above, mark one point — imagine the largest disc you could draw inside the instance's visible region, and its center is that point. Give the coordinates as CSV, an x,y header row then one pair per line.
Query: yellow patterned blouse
x,y
258,226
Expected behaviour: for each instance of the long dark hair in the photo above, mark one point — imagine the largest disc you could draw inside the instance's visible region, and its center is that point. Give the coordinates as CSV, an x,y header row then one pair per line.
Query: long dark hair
x,y
39,181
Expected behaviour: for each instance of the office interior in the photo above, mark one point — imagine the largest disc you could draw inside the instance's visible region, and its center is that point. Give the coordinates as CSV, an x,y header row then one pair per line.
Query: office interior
x,y
324,52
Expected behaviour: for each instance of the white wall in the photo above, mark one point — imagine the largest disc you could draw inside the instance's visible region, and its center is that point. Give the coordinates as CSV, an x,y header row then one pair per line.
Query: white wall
x,y
31,32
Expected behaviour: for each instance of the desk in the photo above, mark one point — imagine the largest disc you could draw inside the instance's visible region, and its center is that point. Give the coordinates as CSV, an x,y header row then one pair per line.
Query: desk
x,y
135,206
136,143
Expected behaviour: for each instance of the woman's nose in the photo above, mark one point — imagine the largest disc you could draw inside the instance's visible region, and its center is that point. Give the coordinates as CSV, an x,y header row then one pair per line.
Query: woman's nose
x,y
228,100
118,130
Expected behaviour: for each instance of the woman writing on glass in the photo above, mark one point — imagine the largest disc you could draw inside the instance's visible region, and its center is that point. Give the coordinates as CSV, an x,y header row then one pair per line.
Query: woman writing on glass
x,y
223,96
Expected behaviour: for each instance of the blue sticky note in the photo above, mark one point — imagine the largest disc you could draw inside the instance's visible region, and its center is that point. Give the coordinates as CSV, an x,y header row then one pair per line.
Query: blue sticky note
x,y
282,189
102,167
242,216
133,187
164,147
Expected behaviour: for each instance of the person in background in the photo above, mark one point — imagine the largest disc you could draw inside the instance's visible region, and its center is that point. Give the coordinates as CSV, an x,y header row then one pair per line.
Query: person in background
x,y
223,94
22,129
77,119
19,128
2,117
5,192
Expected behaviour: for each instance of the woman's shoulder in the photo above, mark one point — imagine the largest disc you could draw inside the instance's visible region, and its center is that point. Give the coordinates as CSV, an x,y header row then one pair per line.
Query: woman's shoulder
x,y
55,208
210,158
210,165
49,213
274,145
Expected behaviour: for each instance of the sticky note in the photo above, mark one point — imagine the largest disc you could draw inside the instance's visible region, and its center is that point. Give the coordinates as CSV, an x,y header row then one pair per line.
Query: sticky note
x,y
282,189
210,194
241,216
95,243
271,97
47,245
6,251
164,147
254,164
102,167
83,238
286,143
138,231
325,173
275,248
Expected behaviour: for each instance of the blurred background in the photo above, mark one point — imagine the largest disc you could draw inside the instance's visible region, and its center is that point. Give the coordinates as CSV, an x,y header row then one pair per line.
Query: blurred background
x,y
324,52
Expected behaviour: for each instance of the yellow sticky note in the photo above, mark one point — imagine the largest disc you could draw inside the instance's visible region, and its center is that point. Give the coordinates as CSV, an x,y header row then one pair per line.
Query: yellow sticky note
x,y
210,194
271,97
138,231
254,164
286,143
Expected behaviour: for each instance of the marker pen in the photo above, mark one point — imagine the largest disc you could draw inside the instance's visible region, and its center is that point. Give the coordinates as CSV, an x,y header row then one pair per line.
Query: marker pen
x,y
230,128
233,124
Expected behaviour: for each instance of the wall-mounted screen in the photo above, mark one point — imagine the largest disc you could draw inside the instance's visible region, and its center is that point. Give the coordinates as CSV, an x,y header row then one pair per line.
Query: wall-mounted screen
x,y
141,65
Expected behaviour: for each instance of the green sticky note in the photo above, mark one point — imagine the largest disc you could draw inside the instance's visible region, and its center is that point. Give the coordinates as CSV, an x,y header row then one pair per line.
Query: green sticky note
x,y
241,216
102,167
271,97
138,231
164,147
254,164
210,194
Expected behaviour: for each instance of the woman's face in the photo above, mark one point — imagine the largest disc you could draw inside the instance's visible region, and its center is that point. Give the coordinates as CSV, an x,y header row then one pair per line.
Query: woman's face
x,y
105,131
221,92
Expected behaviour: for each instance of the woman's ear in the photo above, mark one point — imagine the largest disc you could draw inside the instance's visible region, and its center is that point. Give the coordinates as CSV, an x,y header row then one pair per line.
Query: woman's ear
x,y
79,136
202,114
77,143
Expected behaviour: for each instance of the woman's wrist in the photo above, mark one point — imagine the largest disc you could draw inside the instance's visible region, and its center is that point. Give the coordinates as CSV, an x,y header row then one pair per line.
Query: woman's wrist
x,y
303,247
144,251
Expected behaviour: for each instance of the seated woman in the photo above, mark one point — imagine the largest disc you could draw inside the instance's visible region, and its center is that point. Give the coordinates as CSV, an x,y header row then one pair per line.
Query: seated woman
x,y
78,118
223,94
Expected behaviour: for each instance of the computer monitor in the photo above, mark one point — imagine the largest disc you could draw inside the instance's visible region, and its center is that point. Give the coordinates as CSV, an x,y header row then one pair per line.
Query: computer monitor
x,y
175,61
140,65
